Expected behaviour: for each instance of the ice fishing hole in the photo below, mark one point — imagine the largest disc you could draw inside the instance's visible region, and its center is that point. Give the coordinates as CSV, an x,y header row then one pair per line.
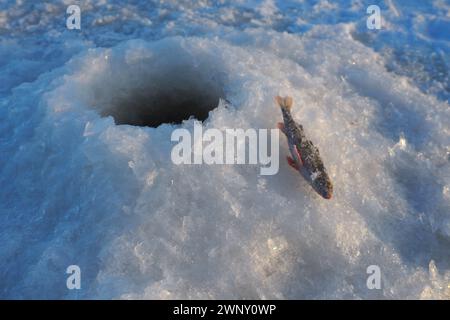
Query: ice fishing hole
x,y
152,94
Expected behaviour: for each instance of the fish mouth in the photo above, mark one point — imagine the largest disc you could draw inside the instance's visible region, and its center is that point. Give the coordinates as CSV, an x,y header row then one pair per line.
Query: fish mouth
x,y
326,194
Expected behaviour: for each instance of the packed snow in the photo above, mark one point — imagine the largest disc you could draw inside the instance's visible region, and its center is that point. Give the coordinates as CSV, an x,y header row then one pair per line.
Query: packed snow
x,y
84,181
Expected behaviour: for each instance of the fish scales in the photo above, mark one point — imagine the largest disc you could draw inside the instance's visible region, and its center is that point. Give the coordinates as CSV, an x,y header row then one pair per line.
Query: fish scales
x,y
305,156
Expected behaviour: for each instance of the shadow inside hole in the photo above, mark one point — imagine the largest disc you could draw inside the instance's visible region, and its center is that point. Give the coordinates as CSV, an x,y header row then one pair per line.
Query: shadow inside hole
x,y
153,109
170,95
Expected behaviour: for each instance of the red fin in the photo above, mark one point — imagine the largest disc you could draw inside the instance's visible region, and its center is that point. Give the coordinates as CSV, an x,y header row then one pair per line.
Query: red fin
x,y
299,155
280,125
292,163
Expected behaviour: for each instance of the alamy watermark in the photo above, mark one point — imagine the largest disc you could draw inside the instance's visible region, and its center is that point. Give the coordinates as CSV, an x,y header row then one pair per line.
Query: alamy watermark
x,y
231,146
374,280
74,20
74,280
374,20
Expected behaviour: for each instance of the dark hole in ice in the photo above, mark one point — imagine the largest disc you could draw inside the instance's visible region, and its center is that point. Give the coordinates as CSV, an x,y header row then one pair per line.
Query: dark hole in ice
x,y
154,109
167,96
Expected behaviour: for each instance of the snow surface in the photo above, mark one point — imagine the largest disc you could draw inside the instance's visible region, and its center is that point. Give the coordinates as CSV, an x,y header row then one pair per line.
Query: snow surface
x,y
78,189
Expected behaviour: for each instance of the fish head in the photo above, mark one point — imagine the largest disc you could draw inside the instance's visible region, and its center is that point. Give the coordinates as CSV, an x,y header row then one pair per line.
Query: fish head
x,y
323,186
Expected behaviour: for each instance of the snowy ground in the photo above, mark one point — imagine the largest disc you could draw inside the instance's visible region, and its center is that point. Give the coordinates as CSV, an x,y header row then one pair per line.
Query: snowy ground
x,y
78,189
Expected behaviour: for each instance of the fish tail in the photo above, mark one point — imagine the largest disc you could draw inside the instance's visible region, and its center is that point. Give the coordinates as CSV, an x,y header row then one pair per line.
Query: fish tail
x,y
285,102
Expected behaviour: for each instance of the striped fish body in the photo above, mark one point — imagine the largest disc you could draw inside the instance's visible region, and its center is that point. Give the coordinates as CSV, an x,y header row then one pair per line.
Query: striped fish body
x,y
305,156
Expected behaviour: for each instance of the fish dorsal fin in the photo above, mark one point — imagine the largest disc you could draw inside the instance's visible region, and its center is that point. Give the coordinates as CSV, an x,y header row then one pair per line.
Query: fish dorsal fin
x,y
279,100
285,102
288,102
